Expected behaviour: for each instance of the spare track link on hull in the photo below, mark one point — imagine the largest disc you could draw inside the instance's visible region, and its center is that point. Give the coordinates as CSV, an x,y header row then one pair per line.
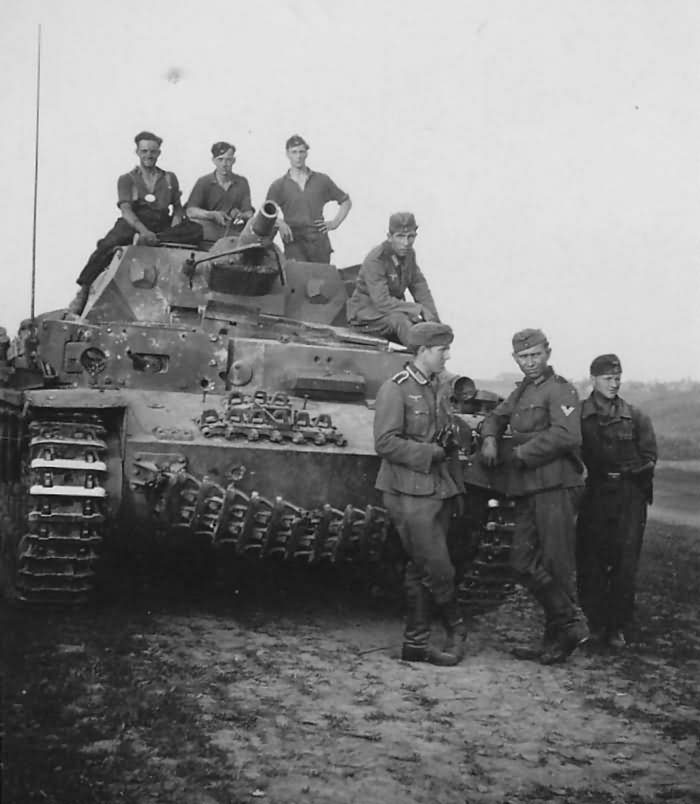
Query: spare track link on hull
x,y
62,523
248,524
488,577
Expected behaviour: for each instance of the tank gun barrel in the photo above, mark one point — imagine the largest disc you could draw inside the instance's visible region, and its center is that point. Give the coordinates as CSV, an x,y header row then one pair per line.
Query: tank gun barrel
x,y
260,226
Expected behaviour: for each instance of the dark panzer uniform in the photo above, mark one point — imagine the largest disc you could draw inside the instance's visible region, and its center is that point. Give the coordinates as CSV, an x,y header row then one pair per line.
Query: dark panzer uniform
x,y
545,478
619,450
420,486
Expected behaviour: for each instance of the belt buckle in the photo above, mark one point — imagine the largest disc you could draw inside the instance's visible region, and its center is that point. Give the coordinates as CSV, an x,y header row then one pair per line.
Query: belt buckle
x,y
613,475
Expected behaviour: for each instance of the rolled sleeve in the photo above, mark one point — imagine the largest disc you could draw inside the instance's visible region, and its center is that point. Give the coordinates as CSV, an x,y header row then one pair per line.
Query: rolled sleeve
x,y
125,190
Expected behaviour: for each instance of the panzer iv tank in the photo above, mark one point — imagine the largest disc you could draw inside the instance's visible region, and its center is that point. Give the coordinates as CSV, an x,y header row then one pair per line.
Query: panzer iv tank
x,y
213,397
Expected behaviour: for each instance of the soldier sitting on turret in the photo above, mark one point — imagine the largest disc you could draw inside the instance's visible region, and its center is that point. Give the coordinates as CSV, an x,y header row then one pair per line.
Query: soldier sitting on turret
x,y
377,305
220,201
146,196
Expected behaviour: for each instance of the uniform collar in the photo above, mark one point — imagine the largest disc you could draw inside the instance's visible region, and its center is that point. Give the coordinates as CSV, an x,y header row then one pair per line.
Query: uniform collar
x,y
618,409
214,180
137,171
416,374
546,374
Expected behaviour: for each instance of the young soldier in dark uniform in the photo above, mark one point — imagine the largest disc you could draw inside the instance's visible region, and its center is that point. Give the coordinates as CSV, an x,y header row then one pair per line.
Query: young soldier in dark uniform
x,y
420,487
545,478
220,201
619,450
301,194
151,213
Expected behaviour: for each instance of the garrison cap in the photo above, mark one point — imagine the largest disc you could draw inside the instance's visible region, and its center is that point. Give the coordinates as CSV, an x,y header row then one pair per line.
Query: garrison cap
x,y
606,364
296,140
402,222
429,333
527,338
147,135
219,148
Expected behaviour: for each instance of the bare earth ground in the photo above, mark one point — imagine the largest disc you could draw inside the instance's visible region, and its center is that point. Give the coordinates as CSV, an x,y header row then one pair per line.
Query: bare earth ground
x,y
292,692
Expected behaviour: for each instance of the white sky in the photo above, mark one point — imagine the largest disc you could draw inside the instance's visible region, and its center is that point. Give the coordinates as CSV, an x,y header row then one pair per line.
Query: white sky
x,y
548,148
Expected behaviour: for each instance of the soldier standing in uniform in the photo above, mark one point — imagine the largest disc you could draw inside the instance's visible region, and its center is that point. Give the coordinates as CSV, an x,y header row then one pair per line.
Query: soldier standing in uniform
x,y
545,477
301,194
619,450
421,486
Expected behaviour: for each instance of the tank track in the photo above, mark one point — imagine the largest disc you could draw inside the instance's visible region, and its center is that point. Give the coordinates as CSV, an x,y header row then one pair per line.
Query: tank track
x,y
58,508
488,578
254,526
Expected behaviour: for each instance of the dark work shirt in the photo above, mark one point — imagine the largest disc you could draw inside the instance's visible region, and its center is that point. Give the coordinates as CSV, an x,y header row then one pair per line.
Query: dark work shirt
x,y
131,188
302,207
208,194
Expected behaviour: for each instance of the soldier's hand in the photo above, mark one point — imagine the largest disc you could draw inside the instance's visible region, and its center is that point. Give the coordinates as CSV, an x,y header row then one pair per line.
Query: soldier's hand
x,y
219,217
148,238
285,231
427,314
322,225
233,214
489,451
438,453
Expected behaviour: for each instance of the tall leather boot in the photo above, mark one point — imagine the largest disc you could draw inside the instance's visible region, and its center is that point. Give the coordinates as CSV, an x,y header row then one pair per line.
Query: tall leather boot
x,y
415,646
572,628
549,634
455,629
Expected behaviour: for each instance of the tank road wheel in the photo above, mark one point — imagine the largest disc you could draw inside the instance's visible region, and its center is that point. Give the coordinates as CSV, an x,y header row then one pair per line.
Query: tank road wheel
x,y
58,507
485,578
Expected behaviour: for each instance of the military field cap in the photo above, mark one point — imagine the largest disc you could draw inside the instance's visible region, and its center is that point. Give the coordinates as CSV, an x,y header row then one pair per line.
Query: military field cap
x,y
296,140
527,338
147,135
402,222
606,364
219,148
429,333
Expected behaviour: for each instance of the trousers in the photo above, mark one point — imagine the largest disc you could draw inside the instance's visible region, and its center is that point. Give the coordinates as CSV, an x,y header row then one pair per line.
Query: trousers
x,y
610,534
309,248
122,233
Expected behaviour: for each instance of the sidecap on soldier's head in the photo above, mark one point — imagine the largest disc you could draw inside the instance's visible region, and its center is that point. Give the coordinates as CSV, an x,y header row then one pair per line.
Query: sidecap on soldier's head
x,y
296,140
527,338
402,222
606,364
220,148
148,135
429,333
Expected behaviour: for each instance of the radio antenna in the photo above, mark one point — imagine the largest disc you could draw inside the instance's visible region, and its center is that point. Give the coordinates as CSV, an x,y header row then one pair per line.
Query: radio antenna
x,y
36,168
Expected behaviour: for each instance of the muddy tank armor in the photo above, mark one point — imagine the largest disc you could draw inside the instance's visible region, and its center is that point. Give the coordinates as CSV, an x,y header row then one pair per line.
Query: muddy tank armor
x,y
218,398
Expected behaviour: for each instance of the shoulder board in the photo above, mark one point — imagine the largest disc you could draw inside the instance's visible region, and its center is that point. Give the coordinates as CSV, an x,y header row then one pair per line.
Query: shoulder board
x,y
400,377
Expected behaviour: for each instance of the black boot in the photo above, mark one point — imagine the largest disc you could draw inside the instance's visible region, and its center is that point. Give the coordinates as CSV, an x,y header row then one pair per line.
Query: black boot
x,y
572,628
415,647
455,629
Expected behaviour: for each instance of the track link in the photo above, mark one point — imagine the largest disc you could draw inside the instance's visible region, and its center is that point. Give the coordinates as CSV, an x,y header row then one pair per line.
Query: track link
x,y
63,515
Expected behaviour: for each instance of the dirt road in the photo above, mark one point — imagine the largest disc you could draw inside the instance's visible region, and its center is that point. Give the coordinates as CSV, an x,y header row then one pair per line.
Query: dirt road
x,y
297,695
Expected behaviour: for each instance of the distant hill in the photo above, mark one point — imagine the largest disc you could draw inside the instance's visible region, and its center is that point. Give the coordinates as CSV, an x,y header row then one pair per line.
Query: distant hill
x,y
674,408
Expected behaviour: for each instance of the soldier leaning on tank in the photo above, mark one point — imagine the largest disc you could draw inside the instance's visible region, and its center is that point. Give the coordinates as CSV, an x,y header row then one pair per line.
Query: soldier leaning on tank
x,y
220,201
421,488
378,304
301,195
545,477
619,450
151,213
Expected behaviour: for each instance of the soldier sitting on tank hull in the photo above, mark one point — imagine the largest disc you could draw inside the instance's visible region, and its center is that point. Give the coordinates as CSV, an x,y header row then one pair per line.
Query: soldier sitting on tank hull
x,y
220,201
146,196
378,305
